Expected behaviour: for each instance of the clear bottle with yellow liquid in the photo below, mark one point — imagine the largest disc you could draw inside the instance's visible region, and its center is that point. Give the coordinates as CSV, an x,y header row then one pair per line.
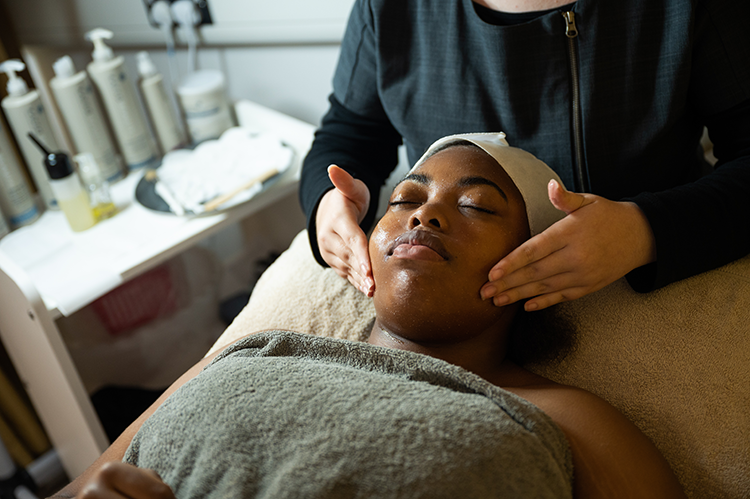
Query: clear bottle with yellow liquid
x,y
66,185
96,186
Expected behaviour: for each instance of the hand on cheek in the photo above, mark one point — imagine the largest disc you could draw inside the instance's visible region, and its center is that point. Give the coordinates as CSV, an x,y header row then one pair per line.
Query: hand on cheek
x,y
342,243
598,242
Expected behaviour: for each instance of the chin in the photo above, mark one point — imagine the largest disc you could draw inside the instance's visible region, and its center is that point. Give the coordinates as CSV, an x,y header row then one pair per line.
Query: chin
x,y
419,314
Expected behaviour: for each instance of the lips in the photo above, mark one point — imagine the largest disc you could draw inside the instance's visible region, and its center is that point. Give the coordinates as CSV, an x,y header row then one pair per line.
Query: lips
x,y
420,237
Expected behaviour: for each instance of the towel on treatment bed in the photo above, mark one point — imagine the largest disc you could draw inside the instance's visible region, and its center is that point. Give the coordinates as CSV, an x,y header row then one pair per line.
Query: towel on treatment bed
x,y
675,361
282,414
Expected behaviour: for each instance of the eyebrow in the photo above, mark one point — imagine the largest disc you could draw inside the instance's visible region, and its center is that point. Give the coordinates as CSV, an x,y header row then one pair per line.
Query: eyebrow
x,y
464,182
467,181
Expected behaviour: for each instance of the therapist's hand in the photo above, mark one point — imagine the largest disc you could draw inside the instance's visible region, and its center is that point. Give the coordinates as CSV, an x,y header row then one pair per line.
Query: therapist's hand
x,y
117,480
342,243
598,242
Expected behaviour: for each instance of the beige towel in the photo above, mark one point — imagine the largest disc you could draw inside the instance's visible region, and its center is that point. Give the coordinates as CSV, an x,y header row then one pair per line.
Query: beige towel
x,y
297,294
675,361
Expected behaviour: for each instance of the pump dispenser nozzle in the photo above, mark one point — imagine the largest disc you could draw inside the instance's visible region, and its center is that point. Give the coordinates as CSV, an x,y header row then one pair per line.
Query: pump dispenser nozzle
x,y
64,67
146,66
57,163
39,144
101,52
16,85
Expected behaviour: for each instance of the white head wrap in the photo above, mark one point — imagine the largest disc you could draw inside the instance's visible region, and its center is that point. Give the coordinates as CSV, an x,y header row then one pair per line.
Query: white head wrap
x,y
530,175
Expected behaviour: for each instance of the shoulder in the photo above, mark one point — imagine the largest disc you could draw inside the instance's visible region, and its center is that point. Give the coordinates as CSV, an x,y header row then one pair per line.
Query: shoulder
x,y
611,456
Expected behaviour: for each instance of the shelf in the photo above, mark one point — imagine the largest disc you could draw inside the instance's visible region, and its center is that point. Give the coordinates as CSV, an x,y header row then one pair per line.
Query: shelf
x,y
47,271
70,270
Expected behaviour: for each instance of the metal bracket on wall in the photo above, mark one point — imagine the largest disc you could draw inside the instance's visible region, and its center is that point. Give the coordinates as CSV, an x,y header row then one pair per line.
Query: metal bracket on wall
x,y
201,7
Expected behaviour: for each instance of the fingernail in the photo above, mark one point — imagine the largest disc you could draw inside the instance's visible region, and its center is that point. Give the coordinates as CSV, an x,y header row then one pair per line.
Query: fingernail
x,y
496,275
488,292
501,300
531,306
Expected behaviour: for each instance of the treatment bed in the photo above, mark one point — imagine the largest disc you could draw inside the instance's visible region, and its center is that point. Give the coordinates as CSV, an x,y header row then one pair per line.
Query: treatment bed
x,y
675,361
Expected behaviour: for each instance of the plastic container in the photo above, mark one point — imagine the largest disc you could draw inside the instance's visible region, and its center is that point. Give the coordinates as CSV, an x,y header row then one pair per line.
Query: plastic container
x,y
166,125
16,200
205,105
26,114
84,117
121,102
71,196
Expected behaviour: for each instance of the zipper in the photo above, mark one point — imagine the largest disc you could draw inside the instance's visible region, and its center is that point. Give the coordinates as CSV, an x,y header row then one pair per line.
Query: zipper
x,y
571,31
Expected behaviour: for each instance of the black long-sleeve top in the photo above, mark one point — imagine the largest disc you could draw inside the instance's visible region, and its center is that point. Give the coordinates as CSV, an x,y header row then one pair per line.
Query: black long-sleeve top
x,y
632,89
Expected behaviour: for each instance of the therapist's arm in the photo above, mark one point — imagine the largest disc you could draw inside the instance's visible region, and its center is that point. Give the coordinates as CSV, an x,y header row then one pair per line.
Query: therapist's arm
x,y
109,477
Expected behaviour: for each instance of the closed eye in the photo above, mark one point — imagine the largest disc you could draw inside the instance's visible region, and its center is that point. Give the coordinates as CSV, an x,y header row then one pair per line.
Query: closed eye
x,y
477,208
400,202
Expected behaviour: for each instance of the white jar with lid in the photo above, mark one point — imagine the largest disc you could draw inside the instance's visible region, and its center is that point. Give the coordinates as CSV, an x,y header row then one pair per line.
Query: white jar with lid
x,y
205,104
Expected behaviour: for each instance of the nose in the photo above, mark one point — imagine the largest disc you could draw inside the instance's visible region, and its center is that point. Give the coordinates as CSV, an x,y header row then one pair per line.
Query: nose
x,y
429,215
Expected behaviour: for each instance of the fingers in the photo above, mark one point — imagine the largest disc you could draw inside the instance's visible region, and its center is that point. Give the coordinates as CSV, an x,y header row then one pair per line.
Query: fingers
x,y
541,294
341,179
121,480
352,189
345,250
565,200
539,270
357,277
535,249
545,301
529,281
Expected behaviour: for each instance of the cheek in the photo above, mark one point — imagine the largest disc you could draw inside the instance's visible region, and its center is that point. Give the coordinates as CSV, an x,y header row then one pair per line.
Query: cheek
x,y
497,244
378,244
378,249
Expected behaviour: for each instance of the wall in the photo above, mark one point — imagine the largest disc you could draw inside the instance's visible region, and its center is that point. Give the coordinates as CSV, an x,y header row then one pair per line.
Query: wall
x,y
280,54
238,22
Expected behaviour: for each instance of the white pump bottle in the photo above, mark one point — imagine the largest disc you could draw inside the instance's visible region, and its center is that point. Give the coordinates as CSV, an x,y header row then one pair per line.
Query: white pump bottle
x,y
167,127
26,114
84,117
121,101
16,201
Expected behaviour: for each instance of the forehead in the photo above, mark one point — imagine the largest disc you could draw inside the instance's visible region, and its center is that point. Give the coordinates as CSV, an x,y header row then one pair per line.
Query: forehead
x,y
463,160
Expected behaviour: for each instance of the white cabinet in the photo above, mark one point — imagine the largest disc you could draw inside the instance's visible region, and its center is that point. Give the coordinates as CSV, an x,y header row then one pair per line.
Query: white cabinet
x,y
47,272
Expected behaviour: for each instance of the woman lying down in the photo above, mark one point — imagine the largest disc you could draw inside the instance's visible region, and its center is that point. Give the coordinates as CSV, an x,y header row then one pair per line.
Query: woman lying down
x,y
431,407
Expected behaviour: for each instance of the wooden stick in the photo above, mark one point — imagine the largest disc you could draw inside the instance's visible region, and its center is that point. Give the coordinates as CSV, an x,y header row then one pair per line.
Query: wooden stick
x,y
223,198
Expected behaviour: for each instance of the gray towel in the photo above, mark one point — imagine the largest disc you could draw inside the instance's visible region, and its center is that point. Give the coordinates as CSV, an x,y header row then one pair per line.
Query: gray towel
x,y
283,414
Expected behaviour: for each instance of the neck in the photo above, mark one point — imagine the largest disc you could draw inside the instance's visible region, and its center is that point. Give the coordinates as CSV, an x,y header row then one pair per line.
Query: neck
x,y
522,5
483,354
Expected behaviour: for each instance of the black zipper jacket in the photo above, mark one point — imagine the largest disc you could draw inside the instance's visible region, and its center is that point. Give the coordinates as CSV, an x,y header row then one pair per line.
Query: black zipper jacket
x,y
612,95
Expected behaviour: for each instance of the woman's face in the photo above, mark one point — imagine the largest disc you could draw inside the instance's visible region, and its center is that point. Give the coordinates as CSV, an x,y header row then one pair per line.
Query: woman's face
x,y
448,223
